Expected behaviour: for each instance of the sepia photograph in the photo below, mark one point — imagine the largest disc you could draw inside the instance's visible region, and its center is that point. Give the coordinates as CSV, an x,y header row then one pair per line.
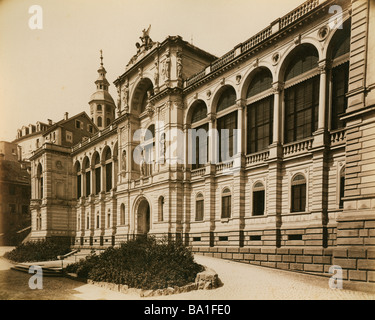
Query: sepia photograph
x,y
186,155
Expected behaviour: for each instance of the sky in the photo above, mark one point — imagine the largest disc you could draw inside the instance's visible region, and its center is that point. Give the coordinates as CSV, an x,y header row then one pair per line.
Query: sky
x,y
47,72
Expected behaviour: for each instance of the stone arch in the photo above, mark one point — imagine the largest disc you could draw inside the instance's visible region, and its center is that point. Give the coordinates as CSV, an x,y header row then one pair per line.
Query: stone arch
x,y
250,74
218,94
346,21
139,94
332,38
288,56
142,215
192,109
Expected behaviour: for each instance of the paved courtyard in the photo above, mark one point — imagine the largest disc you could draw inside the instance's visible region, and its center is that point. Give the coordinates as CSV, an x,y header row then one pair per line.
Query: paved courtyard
x,y
241,282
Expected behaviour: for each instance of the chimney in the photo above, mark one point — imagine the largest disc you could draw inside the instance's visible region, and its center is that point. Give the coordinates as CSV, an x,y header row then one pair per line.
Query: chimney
x,y
66,116
50,122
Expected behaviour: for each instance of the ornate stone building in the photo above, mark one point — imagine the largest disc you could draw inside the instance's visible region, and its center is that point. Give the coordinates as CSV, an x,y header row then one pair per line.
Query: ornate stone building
x,y
263,155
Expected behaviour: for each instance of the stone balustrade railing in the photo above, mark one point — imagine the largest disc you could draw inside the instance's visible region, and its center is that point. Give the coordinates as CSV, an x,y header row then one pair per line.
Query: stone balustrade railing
x,y
257,157
297,147
338,137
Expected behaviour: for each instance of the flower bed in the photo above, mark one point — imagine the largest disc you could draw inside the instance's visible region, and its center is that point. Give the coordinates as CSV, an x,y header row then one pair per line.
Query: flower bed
x,y
144,263
43,250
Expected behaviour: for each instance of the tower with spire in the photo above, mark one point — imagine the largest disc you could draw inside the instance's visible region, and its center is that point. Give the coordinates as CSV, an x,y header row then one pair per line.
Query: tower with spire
x,y
102,105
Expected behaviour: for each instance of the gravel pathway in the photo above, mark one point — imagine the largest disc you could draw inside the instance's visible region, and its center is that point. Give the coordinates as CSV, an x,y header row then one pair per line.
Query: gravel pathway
x,y
240,282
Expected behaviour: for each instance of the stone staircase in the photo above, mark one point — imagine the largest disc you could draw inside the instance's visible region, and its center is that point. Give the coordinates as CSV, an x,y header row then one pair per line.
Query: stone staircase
x,y
54,268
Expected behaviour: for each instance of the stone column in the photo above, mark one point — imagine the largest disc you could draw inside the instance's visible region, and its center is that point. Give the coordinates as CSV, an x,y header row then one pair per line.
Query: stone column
x,y
103,177
212,139
322,95
240,126
114,172
277,88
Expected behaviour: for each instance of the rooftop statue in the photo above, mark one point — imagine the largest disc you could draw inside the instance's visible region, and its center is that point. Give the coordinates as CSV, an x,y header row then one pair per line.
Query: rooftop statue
x,y
146,44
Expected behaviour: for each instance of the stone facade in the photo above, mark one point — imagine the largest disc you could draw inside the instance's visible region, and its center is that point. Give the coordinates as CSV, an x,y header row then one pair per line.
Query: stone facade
x,y
294,189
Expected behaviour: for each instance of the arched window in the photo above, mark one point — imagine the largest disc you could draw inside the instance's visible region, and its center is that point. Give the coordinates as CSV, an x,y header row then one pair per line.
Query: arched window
x,y
199,207
78,180
226,204
87,173
97,172
342,188
40,181
258,199
260,112
122,214
100,122
199,136
340,48
99,107
299,193
108,170
227,99
301,97
161,209
227,125
199,112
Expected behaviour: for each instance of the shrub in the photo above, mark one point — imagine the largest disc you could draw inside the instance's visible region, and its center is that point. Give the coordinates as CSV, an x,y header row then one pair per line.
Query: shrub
x,y
42,250
144,263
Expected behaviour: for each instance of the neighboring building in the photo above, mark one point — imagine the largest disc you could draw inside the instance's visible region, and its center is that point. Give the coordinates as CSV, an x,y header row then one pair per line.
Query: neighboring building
x,y
286,181
14,195
30,138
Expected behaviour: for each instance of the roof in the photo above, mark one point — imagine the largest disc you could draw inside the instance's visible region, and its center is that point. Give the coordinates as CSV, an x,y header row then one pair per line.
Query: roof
x,y
63,121
103,96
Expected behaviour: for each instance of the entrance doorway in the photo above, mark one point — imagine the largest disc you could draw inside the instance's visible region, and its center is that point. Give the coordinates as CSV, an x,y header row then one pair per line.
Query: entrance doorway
x,y
143,217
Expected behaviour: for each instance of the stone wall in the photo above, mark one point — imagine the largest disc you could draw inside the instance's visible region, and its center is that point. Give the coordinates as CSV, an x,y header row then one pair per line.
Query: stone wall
x,y
357,263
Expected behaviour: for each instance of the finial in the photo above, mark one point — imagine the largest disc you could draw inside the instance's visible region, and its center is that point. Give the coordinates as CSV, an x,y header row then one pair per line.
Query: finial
x,y
101,57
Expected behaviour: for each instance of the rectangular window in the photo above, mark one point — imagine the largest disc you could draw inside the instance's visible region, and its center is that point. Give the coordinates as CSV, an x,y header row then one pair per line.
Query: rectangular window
x,y
79,194
223,238
199,210
69,136
199,140
258,203
226,207
88,183
108,175
295,237
78,124
255,238
342,192
340,80
97,180
227,143
299,198
301,110
259,125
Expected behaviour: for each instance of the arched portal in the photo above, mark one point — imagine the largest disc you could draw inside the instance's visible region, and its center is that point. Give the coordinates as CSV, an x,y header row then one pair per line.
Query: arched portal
x,y
143,217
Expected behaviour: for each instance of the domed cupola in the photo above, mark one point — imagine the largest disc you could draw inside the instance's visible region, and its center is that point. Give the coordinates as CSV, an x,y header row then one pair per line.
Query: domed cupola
x,y
102,105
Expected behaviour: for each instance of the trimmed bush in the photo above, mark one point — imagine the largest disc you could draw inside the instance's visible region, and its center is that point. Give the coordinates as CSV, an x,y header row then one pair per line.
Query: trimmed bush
x,y
42,250
144,263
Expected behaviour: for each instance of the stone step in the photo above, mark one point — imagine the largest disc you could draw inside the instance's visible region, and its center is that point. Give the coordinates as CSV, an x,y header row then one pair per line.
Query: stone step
x,y
47,271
